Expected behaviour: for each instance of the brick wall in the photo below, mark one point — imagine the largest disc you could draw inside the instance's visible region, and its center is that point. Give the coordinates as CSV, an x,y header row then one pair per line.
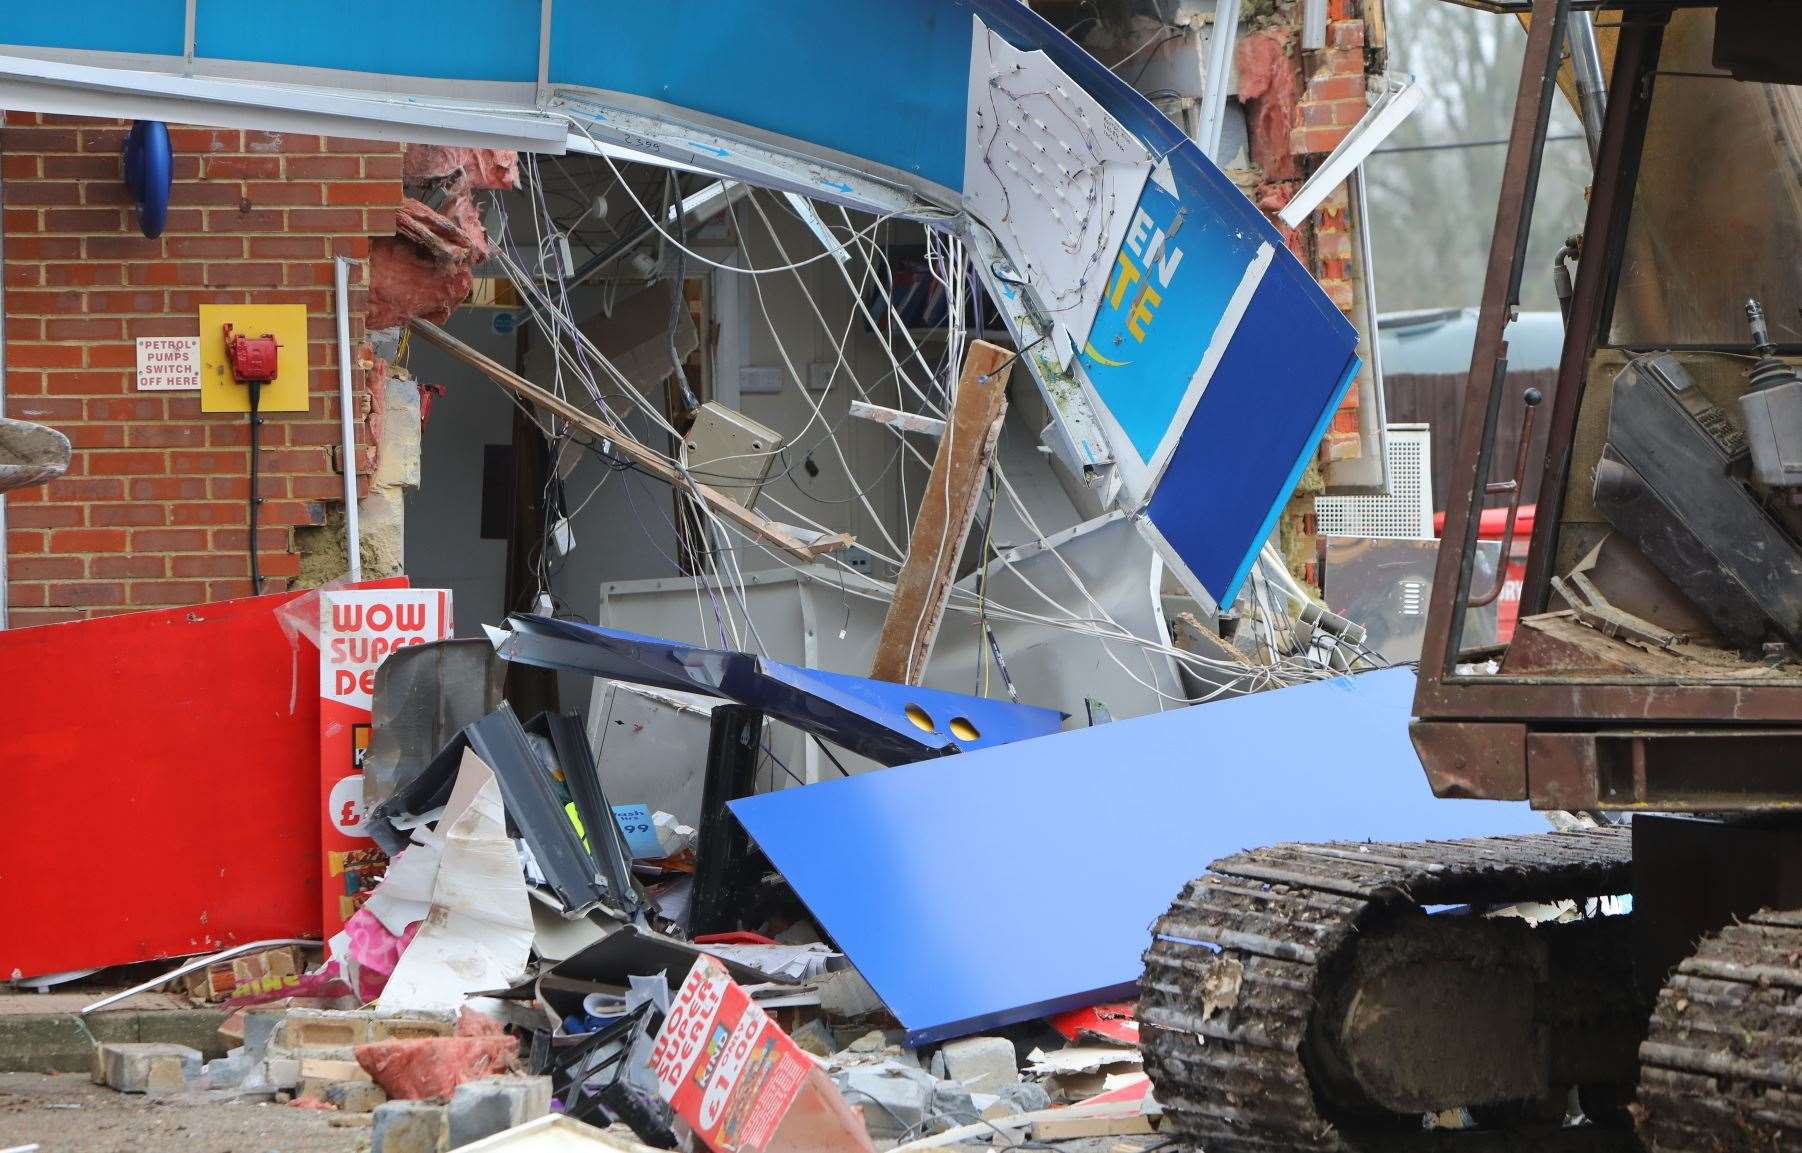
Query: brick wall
x,y
153,510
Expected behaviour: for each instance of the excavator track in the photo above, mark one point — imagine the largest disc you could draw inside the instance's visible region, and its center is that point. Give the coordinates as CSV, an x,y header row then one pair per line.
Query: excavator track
x,y
1721,1069
1238,965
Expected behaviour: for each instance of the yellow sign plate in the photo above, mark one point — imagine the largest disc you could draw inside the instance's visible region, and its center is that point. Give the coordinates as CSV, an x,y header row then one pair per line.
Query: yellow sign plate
x,y
219,390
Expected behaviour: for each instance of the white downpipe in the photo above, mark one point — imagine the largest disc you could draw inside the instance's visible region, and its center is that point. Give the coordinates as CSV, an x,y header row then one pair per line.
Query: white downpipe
x,y
353,542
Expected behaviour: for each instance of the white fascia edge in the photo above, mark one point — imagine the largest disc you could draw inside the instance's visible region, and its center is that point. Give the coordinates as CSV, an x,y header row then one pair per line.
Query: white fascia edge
x,y
35,85
1401,96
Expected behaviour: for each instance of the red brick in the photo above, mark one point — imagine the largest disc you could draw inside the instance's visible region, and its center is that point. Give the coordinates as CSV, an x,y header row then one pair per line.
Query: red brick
x,y
241,167
206,139
172,273
115,567
1345,34
82,488
325,220
352,144
188,463
85,328
168,592
190,300
42,247
125,301
156,488
108,140
46,408
237,539
208,195
288,248
44,515
124,248
111,192
221,513
19,166
44,568
136,326
301,192
211,565
44,356
323,167
128,515
244,275
107,383
167,435
30,193
21,541
1348,112
28,139
34,618
355,247
1337,87
280,564
258,141
88,540
238,487
206,247
87,593
382,192
126,408
84,275
168,540
295,512
246,218
85,436
1343,61
44,303
83,168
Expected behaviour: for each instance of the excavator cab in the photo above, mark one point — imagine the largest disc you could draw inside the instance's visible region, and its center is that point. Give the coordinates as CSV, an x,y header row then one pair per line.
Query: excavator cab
x,y
1657,665
1633,979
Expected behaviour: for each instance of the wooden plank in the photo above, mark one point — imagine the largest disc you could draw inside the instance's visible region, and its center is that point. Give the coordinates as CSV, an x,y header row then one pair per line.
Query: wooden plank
x,y
946,510
747,521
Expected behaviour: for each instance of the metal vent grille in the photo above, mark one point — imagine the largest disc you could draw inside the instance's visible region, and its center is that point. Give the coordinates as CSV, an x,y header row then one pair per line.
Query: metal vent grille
x,y
1407,512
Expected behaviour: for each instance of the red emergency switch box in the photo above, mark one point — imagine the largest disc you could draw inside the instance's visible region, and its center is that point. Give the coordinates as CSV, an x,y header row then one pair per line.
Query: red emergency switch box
x,y
252,358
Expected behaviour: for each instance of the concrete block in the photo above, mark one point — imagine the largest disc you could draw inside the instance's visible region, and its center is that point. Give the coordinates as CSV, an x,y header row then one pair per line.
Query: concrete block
x,y
408,1028
149,1068
894,1098
493,1105
259,1029
282,1072
313,1069
322,1029
355,1096
406,1127
979,1064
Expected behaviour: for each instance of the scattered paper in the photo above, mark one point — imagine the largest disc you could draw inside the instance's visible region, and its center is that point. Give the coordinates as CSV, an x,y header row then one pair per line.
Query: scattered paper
x,y
795,962
478,933
1080,1059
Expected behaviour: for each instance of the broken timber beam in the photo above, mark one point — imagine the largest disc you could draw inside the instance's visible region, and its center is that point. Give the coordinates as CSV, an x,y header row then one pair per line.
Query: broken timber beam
x,y
749,522
946,510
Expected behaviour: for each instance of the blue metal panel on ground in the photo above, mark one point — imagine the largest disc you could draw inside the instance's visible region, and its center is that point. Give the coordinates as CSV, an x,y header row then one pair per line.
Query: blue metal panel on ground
x,y
1013,882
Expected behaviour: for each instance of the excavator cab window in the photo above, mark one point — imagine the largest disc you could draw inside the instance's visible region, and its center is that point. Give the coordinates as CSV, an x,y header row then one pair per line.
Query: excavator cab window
x,y
1717,205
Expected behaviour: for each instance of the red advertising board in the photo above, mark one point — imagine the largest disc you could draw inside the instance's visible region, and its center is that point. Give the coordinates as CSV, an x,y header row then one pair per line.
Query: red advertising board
x,y
357,629
723,1065
162,772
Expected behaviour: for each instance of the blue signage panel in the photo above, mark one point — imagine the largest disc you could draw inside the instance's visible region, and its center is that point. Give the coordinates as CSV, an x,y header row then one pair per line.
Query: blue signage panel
x,y
1167,296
